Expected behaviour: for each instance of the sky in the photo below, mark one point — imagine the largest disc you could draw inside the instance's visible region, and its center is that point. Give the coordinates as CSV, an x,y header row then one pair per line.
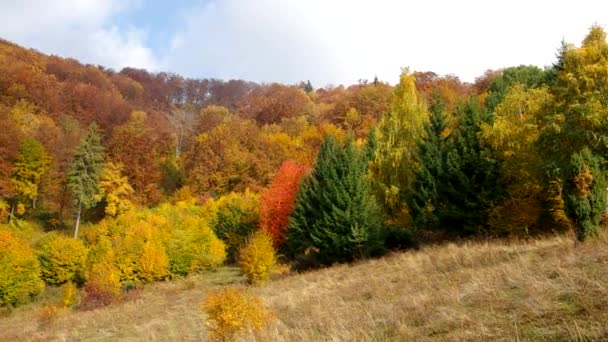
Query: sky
x,y
328,42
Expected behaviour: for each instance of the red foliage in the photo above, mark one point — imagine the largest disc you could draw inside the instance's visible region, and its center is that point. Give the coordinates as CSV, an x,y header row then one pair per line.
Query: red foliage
x,y
278,201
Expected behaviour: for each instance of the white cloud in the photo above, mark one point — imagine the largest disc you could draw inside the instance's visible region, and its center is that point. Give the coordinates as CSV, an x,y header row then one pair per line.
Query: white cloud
x,y
81,29
326,41
341,41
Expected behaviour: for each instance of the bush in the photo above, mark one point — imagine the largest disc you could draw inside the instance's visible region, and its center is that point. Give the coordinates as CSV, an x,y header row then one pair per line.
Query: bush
x,y
138,242
257,258
231,312
19,270
191,246
70,294
103,283
62,259
237,215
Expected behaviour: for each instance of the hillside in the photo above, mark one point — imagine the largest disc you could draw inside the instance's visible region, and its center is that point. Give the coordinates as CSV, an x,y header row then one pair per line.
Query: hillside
x,y
546,289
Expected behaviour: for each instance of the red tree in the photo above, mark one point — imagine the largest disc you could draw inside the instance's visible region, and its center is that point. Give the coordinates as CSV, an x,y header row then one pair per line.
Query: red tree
x,y
278,201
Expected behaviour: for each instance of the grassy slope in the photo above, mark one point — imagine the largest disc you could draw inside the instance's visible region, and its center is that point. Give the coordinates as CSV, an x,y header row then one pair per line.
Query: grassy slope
x,y
541,290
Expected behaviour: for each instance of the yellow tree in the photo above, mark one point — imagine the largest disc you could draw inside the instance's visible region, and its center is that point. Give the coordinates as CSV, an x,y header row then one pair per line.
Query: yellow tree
x,y
115,189
513,136
398,133
32,163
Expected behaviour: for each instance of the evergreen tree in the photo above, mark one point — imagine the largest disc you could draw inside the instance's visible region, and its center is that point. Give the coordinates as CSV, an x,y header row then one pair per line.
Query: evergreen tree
x,y
469,186
424,200
335,214
585,193
31,164
85,172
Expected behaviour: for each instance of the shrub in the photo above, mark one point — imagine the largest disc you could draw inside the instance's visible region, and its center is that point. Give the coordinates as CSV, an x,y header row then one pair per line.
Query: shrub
x,y
237,215
70,292
192,245
19,270
257,258
231,312
62,259
137,240
103,283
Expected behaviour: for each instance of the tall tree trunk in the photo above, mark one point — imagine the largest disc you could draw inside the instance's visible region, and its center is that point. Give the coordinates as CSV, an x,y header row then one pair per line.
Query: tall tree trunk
x,y
77,220
34,203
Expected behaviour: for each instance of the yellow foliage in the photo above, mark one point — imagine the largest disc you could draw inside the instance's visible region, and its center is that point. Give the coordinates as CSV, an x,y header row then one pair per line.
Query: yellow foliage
x,y
154,261
257,259
103,284
232,312
69,294
19,270
20,209
140,254
62,259
234,217
116,189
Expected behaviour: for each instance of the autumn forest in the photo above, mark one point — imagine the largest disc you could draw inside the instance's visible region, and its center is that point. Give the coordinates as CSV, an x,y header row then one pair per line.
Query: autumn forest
x,y
111,180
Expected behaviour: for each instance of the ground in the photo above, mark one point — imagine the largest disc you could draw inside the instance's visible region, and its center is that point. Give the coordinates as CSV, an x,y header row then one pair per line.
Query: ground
x,y
547,289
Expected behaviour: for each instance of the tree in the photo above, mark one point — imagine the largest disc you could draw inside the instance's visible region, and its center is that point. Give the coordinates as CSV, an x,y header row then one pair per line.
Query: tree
x,y
115,189
335,214
585,193
136,147
469,187
278,201
514,137
424,200
31,164
398,134
575,137
85,172
526,75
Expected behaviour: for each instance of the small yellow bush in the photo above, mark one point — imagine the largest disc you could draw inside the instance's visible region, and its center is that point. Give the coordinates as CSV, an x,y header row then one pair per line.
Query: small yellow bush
x,y
257,258
103,283
19,270
231,312
62,259
70,292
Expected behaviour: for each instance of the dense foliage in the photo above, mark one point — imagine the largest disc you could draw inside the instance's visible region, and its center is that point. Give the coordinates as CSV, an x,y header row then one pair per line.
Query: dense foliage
x,y
171,176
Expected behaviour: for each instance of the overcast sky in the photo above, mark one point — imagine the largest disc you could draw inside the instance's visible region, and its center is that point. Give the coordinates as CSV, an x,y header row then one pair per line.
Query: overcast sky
x,y
325,41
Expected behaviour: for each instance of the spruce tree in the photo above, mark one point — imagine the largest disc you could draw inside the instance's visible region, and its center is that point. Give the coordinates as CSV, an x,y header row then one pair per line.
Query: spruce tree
x,y
424,199
469,186
585,193
85,172
335,214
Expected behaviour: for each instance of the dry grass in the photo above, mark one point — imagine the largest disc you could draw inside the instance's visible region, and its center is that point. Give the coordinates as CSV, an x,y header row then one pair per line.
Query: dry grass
x,y
547,290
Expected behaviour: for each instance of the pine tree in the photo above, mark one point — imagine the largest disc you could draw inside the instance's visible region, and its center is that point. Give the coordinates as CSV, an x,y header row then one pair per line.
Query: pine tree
x,y
469,186
85,172
335,214
31,164
424,200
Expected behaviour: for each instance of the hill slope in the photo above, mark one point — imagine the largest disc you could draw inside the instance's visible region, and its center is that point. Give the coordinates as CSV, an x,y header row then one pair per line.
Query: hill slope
x,y
540,290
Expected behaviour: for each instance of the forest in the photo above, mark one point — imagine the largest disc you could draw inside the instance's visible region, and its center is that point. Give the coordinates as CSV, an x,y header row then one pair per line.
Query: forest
x,y
113,179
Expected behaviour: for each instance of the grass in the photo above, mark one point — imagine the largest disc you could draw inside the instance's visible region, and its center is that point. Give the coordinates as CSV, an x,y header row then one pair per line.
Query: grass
x,y
541,290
